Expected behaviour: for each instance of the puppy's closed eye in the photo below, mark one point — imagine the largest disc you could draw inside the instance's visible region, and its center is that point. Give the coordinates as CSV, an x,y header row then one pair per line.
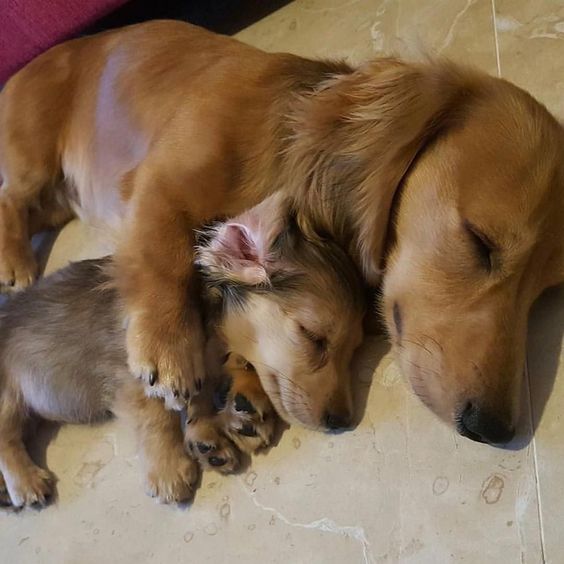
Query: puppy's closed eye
x,y
484,247
320,345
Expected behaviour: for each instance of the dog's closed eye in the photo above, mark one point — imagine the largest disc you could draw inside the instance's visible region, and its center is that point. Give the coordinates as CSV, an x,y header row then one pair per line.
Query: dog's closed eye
x,y
319,343
483,245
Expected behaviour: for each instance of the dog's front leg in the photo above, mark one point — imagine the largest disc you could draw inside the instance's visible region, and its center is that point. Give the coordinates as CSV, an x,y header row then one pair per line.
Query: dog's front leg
x,y
156,276
171,474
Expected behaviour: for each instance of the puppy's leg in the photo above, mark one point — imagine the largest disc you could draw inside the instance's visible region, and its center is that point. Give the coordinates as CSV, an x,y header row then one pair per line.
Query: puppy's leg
x,y
170,472
26,483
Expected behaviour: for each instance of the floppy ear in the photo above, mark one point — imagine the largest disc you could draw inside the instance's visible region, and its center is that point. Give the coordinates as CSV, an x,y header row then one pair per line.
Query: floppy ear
x,y
355,139
234,253
239,249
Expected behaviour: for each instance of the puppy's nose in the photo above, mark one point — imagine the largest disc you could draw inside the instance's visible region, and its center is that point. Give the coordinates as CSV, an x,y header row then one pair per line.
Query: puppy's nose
x,y
336,423
479,425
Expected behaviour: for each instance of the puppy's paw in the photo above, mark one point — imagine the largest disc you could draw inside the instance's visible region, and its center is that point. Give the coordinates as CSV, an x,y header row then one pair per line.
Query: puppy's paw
x,y
18,269
210,447
173,479
32,486
247,415
168,358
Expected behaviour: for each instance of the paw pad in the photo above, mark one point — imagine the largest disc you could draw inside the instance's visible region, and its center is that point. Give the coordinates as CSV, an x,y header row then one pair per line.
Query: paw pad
x,y
247,430
204,448
243,404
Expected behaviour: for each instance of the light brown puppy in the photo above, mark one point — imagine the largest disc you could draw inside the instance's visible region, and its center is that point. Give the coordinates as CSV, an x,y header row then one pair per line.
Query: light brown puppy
x,y
267,293
159,127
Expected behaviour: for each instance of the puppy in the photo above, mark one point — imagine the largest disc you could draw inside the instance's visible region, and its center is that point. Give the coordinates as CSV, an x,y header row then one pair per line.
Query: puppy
x,y
270,294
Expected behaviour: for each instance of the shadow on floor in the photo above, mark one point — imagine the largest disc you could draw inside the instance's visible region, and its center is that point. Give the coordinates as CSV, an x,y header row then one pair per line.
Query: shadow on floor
x,y
546,331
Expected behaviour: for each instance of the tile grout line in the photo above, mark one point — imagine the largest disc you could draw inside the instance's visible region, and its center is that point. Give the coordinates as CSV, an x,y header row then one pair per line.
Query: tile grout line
x,y
497,57
536,466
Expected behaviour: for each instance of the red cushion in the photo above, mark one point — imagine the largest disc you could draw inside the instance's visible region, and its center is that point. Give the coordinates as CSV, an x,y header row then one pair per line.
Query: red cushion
x,y
29,27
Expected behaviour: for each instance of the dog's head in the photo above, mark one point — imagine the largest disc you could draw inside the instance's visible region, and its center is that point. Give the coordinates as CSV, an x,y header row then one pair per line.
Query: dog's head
x,y
292,307
479,234
461,174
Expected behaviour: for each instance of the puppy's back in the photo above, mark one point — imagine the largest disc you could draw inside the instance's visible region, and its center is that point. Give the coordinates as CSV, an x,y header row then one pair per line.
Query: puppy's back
x,y
62,343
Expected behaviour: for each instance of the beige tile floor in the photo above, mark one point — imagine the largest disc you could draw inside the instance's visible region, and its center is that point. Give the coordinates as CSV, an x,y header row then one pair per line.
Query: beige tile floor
x,y
402,487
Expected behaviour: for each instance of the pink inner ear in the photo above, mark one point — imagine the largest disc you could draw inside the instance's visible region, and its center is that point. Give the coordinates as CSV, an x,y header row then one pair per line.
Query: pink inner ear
x,y
238,241
236,252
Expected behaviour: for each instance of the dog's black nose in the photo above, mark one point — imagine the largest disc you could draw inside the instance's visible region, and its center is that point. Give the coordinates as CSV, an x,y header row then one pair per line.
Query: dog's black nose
x,y
479,425
336,423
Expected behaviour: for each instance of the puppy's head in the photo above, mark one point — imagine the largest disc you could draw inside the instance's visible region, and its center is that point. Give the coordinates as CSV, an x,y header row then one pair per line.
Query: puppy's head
x,y
292,306
479,234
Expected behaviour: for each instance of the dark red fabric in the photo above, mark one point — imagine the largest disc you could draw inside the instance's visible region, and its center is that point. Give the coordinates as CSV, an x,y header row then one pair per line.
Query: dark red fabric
x,y
29,27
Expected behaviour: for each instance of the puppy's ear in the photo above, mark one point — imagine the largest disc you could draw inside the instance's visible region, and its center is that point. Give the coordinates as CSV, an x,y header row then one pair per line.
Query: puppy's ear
x,y
233,252
240,249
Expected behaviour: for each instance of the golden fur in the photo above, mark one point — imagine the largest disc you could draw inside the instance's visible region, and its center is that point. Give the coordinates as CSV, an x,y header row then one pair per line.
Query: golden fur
x,y
159,127
267,293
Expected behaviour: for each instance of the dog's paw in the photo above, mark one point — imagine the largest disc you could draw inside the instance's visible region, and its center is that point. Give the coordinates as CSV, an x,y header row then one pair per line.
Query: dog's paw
x,y
173,479
18,269
247,415
168,358
240,422
32,486
210,447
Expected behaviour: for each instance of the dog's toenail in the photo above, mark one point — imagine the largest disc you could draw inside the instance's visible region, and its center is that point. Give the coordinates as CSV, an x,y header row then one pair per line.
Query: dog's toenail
x,y
11,282
220,395
247,430
243,404
175,393
203,447
186,395
152,377
198,384
216,461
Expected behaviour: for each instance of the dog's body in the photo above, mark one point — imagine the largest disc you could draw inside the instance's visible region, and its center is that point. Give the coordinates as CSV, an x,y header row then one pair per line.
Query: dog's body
x,y
63,355
159,127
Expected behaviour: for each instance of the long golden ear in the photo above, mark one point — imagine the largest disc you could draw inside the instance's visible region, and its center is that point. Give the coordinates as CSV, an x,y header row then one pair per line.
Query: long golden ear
x,y
355,139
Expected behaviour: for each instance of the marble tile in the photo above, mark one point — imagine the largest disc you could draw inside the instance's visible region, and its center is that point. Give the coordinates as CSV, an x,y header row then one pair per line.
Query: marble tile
x,y
365,28
546,373
531,47
402,487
